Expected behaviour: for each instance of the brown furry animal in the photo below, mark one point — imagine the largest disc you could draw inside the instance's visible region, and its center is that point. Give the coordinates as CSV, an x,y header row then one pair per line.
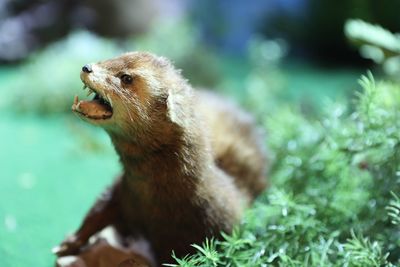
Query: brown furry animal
x,y
192,161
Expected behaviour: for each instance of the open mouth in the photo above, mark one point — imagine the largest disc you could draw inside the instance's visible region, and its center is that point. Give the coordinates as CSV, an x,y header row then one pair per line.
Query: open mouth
x,y
96,109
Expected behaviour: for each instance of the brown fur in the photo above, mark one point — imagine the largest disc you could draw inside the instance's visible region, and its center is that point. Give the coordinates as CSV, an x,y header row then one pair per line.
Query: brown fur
x,y
192,161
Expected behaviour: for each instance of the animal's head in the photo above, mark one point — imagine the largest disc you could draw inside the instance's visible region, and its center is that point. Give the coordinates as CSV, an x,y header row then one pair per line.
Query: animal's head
x,y
136,93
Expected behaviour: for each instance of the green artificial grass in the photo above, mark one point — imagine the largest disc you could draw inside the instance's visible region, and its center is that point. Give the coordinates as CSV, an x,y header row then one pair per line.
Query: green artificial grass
x,y
51,171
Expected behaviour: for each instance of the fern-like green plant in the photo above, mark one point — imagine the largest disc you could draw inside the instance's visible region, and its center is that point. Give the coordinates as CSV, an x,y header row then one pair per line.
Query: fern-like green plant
x,y
394,209
330,178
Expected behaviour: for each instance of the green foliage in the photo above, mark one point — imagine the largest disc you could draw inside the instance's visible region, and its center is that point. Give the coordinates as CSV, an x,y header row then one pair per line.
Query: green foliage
x,y
359,251
331,177
394,209
363,33
377,44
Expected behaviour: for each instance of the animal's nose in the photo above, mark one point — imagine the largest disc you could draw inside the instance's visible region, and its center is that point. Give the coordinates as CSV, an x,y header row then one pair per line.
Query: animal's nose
x,y
87,68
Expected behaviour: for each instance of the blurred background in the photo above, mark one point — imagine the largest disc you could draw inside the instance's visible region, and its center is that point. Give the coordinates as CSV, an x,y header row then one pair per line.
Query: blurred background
x,y
263,54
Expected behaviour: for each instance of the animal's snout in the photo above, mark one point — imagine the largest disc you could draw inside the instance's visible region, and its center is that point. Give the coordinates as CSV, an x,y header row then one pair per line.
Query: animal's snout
x,y
87,68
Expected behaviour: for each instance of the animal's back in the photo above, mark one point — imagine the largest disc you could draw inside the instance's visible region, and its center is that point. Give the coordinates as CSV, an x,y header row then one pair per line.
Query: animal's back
x,y
236,143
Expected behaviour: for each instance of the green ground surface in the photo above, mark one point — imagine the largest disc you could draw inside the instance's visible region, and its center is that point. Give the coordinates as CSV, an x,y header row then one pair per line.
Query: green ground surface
x,y
52,168
50,174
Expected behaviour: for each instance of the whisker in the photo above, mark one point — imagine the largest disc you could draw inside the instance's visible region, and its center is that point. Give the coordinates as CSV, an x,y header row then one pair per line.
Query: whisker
x,y
126,100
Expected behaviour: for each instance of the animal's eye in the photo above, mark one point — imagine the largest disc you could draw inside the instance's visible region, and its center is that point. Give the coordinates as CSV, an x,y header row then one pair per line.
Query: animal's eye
x,y
126,79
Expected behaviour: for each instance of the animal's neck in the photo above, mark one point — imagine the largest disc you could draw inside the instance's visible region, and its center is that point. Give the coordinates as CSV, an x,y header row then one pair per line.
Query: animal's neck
x,y
178,162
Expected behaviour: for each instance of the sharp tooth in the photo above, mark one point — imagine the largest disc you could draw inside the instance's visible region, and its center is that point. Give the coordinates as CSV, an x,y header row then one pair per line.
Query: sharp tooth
x,y
76,99
84,87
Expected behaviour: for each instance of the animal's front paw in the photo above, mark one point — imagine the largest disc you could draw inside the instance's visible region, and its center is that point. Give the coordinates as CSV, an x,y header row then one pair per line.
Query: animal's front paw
x,y
69,246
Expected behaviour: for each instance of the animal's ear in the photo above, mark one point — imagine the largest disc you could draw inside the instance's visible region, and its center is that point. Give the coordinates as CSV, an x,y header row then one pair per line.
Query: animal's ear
x,y
175,108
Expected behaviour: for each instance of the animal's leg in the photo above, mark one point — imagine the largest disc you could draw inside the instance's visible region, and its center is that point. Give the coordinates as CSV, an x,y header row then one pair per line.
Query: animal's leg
x,y
103,213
